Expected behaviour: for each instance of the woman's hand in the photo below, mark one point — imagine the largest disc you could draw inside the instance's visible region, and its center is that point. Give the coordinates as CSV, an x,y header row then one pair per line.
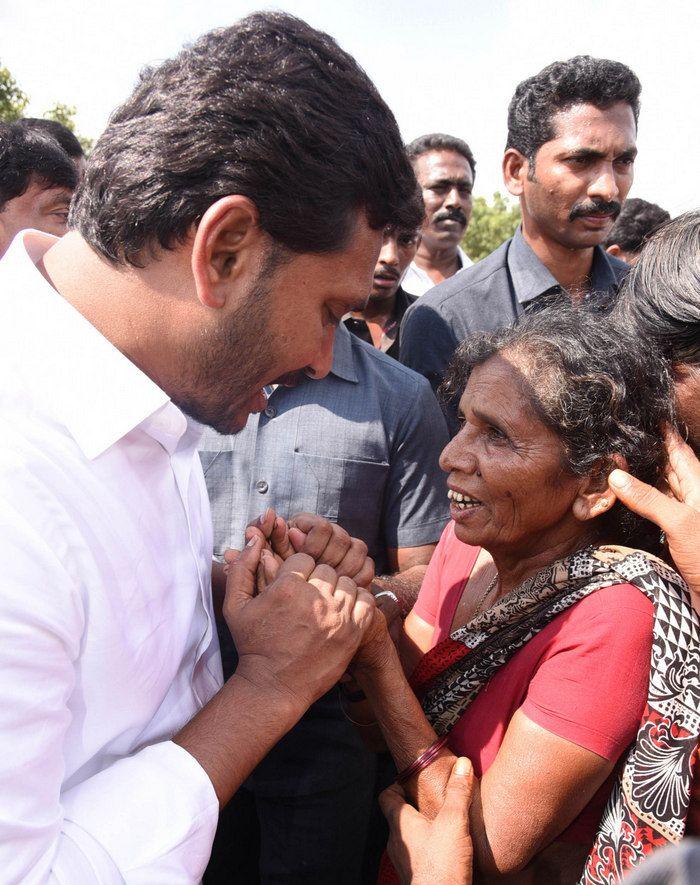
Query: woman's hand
x,y
678,517
438,851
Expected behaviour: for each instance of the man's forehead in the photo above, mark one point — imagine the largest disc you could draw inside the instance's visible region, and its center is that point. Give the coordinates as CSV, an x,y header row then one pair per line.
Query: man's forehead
x,y
45,193
440,164
590,126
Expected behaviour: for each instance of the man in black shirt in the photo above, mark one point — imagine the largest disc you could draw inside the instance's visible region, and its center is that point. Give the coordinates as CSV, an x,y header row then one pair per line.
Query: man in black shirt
x,y
380,320
569,159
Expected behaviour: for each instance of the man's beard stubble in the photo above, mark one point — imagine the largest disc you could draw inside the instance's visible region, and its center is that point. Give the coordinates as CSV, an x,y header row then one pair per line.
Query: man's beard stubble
x,y
221,371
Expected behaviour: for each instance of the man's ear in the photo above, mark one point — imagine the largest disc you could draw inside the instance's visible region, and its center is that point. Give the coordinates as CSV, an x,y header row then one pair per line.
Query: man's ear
x,y
595,496
515,169
226,245
614,250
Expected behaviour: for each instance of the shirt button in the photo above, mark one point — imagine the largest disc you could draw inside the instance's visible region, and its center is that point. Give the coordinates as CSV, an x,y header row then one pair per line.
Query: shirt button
x,y
262,486
270,411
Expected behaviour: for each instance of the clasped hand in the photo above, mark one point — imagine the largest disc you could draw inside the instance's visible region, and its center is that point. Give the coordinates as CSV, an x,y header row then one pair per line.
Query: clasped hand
x,y
296,604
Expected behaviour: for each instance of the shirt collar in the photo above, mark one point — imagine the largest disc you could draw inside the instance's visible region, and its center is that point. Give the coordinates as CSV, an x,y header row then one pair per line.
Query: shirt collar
x,y
343,356
71,368
531,278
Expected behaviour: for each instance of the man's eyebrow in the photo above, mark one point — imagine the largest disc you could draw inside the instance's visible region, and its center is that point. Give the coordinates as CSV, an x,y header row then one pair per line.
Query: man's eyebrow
x,y
442,182
591,154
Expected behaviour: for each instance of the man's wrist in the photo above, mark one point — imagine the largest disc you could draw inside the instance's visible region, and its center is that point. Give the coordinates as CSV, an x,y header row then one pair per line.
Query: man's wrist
x,y
255,672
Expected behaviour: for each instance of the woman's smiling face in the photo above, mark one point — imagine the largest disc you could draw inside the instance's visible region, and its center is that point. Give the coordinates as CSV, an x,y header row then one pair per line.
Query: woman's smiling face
x,y
508,468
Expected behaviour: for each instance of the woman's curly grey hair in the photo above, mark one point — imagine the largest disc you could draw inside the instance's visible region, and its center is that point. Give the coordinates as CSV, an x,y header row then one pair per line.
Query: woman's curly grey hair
x,y
600,388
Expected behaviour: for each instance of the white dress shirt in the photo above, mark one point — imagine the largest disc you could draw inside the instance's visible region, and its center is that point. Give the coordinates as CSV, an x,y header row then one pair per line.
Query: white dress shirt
x,y
106,639
416,280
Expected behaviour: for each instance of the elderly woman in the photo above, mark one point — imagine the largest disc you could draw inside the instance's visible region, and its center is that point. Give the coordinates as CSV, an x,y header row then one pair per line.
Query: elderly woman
x,y
531,640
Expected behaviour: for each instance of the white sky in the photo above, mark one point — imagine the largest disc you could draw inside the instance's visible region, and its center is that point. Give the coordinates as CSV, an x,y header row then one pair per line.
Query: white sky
x,y
442,66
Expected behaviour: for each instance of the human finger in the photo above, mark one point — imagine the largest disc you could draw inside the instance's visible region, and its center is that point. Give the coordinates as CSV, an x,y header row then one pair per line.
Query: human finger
x,y
684,470
299,564
279,539
364,609
365,576
644,500
318,533
241,576
392,802
323,577
459,790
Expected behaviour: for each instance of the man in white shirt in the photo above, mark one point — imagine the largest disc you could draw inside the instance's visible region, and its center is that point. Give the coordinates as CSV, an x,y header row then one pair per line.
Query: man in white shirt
x,y
206,260
445,169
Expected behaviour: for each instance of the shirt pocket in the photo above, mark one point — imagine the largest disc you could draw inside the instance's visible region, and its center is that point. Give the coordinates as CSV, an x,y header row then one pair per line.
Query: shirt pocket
x,y
216,455
361,505
316,486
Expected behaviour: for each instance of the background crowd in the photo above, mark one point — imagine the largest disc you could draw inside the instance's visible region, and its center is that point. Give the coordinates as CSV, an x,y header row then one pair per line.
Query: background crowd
x,y
260,332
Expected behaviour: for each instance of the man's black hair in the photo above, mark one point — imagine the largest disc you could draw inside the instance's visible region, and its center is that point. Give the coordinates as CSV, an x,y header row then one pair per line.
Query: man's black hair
x,y
61,133
636,222
268,108
438,141
661,293
29,156
560,86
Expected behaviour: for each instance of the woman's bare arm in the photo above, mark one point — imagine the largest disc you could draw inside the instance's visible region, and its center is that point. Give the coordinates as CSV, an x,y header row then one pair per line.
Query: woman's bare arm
x,y
536,787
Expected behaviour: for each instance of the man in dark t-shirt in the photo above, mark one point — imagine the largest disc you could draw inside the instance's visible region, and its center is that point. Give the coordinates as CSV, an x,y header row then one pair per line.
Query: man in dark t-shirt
x,y
379,322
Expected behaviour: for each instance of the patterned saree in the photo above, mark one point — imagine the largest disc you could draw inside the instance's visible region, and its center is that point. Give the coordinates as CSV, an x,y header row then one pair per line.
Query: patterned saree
x,y
649,803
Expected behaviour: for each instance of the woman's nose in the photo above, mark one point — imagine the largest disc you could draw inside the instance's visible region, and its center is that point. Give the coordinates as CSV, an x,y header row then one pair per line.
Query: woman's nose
x,y
458,455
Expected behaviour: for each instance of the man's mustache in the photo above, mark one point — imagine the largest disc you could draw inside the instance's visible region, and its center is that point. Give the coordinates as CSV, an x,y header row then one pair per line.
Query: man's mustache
x,y
595,207
450,215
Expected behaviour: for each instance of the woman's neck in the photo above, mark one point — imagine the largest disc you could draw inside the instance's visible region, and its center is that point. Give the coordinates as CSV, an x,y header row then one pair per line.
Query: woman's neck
x,y
515,566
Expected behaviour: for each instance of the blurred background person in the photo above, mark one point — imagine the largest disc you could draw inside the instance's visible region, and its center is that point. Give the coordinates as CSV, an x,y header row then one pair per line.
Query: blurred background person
x,y
379,321
63,135
636,222
37,180
445,168
569,159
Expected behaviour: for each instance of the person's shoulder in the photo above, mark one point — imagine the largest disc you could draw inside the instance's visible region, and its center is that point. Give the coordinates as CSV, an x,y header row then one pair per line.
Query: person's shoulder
x,y
623,606
386,372
466,285
619,268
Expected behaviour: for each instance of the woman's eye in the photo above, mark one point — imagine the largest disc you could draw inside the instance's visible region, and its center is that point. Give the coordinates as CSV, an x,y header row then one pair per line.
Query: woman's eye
x,y
495,434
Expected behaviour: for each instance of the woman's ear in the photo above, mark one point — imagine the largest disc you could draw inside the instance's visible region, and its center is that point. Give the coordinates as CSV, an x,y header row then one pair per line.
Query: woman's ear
x,y
595,496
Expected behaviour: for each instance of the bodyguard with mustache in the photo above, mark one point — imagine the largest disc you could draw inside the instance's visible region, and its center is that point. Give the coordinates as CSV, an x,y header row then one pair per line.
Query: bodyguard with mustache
x,y
569,160
445,169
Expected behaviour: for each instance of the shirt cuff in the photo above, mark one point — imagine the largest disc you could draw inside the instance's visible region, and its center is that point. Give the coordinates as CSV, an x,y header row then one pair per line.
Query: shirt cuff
x,y
583,736
154,813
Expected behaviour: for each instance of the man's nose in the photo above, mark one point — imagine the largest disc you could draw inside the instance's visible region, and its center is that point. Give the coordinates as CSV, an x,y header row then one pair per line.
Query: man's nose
x,y
604,186
389,253
453,198
321,364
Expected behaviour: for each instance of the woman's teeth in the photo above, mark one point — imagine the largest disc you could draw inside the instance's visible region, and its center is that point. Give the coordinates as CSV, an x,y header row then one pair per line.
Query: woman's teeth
x,y
462,501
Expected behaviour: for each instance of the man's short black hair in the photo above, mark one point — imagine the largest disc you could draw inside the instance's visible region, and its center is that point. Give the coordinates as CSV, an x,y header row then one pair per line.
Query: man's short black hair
x,y
560,86
268,108
438,141
661,293
61,133
28,155
636,222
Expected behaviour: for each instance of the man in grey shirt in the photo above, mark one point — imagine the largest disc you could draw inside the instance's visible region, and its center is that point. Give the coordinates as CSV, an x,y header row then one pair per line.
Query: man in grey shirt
x,y
361,448
569,159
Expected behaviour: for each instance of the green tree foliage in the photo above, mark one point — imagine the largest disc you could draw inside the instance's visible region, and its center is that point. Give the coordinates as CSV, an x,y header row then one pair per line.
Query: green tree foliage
x,y
12,100
65,114
490,225
13,103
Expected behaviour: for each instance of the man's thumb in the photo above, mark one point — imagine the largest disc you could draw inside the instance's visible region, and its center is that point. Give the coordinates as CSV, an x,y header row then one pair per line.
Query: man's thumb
x,y
458,792
242,570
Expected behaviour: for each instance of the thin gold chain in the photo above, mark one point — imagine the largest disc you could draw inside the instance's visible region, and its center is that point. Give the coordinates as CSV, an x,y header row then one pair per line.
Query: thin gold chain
x,y
484,595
